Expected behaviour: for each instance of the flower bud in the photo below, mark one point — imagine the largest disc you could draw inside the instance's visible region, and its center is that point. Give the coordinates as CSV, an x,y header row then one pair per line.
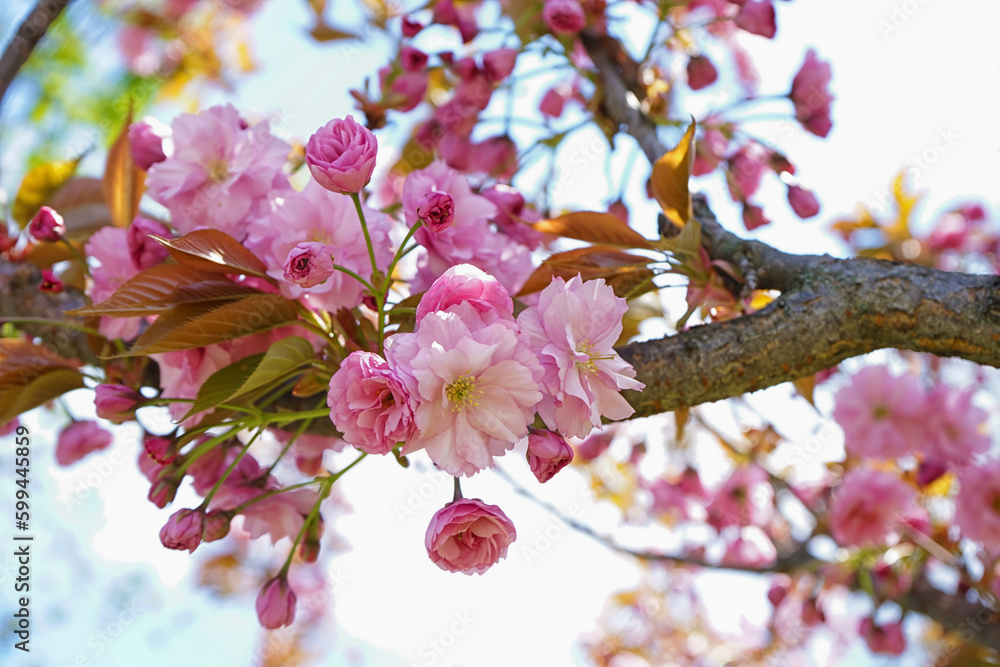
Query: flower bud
x,y
163,491
47,225
309,264
437,210
50,283
548,453
115,402
275,604
183,530
146,139
160,449
146,251
216,525
341,155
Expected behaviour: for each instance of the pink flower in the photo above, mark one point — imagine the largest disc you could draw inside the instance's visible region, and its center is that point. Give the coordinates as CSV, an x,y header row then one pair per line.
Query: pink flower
x,y
411,27
79,439
412,60
802,201
880,413
50,283
318,215
146,139
47,225
145,250
369,404
159,449
474,383
886,639
950,428
564,17
465,283
555,99
751,548
866,505
810,96
757,17
594,445
116,402
277,516
745,170
513,218
183,530
548,453
109,246
977,505
275,604
496,156
573,330
437,210
341,155
701,73
746,498
308,264
220,173
468,536
182,373
498,64
216,525
308,449
709,151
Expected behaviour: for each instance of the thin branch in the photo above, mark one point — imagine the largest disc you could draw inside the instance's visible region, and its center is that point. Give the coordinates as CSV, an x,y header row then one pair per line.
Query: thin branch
x,y
25,39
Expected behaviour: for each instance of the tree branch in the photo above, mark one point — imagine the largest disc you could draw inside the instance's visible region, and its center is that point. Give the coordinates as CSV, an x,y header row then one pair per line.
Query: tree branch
x,y
25,39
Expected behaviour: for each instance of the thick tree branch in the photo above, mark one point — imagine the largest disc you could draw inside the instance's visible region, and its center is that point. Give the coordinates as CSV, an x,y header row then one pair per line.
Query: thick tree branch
x,y
20,47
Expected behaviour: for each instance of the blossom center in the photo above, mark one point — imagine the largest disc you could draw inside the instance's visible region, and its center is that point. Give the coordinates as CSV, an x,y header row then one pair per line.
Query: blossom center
x,y
462,392
217,171
880,412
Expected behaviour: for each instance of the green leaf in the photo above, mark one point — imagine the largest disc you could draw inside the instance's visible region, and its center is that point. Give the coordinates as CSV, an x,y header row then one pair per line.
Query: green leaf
x,y
40,390
214,251
223,383
287,355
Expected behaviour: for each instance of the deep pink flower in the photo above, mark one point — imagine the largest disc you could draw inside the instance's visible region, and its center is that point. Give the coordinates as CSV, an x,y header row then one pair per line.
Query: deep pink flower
x,y
474,383
950,428
802,201
144,250
709,151
564,17
183,530
745,170
50,283
701,73
977,505
886,639
116,402
146,139
437,210
866,506
220,173
412,60
594,445
810,95
109,246
47,225
341,155
79,439
548,453
753,217
411,26
746,498
498,64
162,491
573,330
757,17
465,283
496,156
308,264
513,218
555,99
880,413
275,604
369,403
468,536
461,16
160,449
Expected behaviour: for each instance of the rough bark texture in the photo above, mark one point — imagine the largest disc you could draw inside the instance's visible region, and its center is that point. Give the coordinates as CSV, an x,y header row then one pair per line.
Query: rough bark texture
x,y
25,39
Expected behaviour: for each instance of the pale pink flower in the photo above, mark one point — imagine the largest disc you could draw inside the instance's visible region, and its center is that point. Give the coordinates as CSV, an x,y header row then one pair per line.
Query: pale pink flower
x,y
308,264
182,373
183,530
465,283
468,536
145,137
402,90
949,428
220,173
886,639
548,453
109,246
280,515
320,216
880,413
866,506
573,330
802,201
47,225
116,402
810,95
746,498
341,155
145,250
308,449
595,445
369,404
701,73
751,548
79,439
564,17
475,386
977,505
275,604
757,17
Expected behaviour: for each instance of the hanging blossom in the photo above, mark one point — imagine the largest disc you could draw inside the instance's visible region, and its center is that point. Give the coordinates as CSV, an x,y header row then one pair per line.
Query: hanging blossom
x,y
866,506
880,413
573,330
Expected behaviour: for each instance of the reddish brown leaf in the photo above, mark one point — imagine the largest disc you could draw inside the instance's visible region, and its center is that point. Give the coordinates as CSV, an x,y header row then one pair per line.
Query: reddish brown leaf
x,y
40,390
214,251
124,183
626,273
593,227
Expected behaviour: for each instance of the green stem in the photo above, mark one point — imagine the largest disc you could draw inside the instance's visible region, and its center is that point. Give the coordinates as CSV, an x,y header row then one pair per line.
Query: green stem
x,y
230,469
54,323
364,228
204,448
284,418
80,258
343,269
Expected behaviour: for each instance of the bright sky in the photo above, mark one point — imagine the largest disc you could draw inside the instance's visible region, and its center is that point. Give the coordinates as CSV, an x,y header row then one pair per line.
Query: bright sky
x,y
899,92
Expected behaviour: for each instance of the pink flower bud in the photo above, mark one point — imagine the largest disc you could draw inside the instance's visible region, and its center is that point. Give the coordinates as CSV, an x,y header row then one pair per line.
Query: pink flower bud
x,y
50,283
564,17
79,439
758,18
276,604
47,225
593,446
437,210
701,72
810,96
216,525
412,60
183,530
146,139
309,550
146,251
497,65
548,453
341,155
309,264
886,639
554,101
802,201
116,402
468,536
163,491
160,449
411,27
753,217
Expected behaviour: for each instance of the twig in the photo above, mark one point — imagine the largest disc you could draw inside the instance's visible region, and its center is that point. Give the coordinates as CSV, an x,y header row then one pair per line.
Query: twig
x,y
25,39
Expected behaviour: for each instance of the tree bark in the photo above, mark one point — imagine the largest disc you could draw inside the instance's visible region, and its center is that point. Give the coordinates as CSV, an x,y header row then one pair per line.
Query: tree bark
x,y
27,36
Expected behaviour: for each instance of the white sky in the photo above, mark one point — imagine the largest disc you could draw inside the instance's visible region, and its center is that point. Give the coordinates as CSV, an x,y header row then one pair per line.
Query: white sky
x,y
895,93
